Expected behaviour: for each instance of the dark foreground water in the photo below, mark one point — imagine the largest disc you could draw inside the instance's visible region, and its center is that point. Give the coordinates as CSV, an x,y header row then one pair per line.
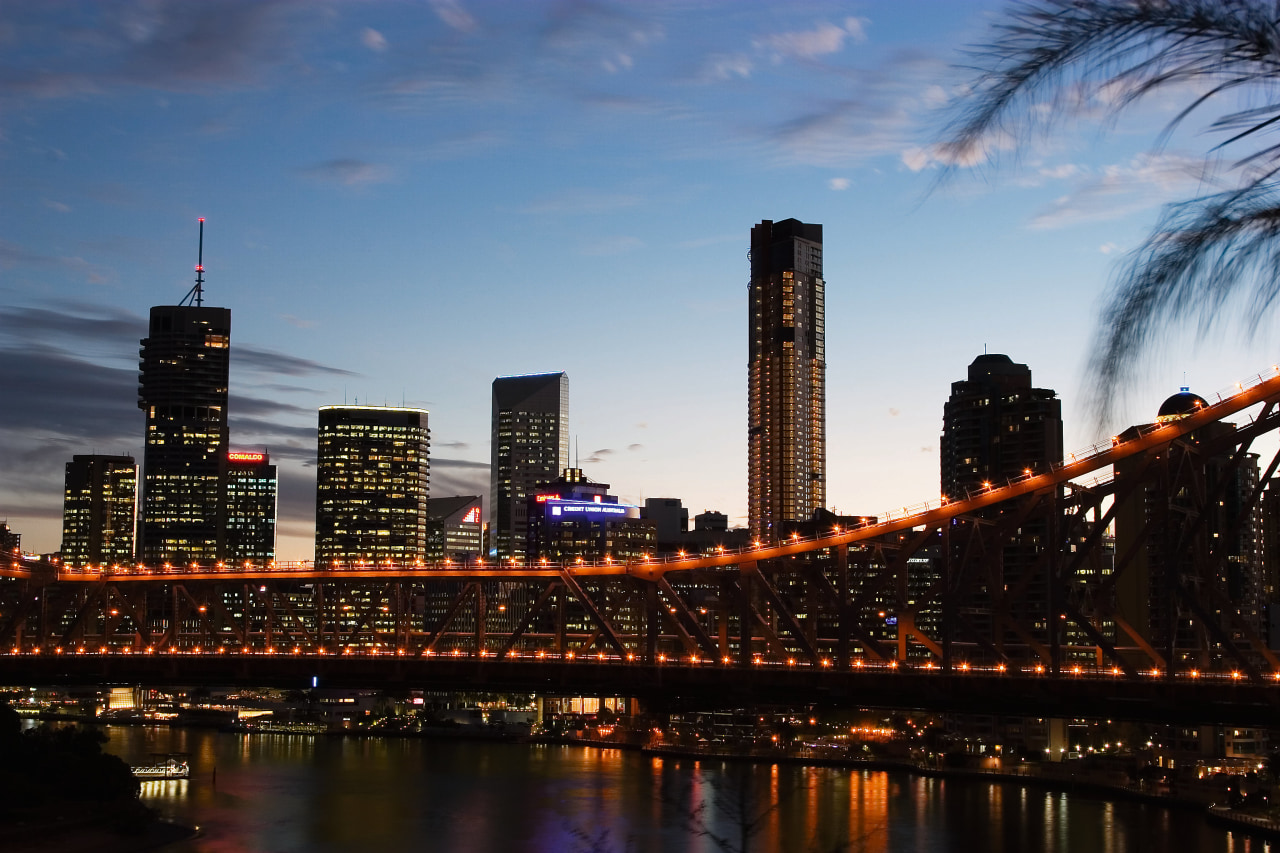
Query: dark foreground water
x,y
279,793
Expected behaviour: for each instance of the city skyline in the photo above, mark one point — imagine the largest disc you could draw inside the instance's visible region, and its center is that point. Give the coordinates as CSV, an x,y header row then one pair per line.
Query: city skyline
x,y
443,237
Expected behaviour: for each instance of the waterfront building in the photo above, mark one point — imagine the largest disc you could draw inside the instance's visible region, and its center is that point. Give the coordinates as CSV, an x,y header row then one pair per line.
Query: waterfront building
x,y
786,422
530,445
574,518
372,484
98,510
996,426
250,508
455,528
185,362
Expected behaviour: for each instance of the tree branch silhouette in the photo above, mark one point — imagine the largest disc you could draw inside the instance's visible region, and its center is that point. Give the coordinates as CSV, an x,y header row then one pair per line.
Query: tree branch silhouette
x,y
1209,258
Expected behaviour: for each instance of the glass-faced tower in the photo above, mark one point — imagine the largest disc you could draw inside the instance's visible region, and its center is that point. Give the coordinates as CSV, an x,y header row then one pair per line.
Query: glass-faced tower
x,y
786,423
530,446
182,389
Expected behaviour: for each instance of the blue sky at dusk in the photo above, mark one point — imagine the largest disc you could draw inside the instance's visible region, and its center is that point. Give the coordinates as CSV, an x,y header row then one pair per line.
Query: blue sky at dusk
x,y
405,200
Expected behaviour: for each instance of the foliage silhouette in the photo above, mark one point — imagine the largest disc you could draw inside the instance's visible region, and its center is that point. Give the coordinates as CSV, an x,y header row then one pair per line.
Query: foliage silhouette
x,y
1053,59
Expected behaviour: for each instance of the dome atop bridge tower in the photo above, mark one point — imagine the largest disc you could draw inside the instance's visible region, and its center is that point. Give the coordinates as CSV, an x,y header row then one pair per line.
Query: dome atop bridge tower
x,y
1180,405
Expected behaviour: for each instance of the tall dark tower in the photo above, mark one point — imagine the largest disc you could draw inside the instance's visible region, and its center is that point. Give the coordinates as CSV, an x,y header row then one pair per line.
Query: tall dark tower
x,y
182,388
997,427
786,422
530,445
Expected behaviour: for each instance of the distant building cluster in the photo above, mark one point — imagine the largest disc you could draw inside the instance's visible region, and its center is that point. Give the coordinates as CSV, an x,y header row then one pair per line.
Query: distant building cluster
x,y
197,500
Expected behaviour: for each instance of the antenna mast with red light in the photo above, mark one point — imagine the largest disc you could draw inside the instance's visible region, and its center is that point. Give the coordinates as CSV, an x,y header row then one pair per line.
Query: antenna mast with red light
x,y
195,296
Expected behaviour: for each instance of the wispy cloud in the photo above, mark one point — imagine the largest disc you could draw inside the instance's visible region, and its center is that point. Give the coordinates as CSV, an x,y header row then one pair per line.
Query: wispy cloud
x,y
825,38
581,202
348,172
1120,190
611,246
726,66
14,255
595,36
270,361
453,14
374,40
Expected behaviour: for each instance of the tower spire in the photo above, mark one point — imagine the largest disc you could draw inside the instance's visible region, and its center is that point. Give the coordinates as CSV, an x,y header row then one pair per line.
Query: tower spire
x,y
195,296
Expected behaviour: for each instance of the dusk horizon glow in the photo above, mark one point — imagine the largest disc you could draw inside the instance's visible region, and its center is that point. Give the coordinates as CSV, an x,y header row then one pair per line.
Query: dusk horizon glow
x,y
403,201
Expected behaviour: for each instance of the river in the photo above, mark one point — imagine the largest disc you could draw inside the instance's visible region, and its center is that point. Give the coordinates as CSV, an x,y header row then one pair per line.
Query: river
x,y
285,793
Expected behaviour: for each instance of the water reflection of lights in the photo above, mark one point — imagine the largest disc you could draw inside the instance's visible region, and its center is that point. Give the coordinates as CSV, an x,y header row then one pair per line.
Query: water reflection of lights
x,y
164,789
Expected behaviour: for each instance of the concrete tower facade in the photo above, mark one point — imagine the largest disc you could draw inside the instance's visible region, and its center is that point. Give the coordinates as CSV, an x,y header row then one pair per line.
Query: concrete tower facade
x,y
786,422
530,446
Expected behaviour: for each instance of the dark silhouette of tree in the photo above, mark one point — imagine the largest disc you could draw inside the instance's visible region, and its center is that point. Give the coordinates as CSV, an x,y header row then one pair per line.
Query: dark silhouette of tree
x,y
52,764
1050,60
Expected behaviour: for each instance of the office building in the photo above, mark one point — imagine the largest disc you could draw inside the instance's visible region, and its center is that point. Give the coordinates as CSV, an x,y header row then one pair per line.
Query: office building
x,y
530,445
786,427
995,427
671,520
183,392
250,508
574,518
98,509
456,529
10,542
1212,483
372,485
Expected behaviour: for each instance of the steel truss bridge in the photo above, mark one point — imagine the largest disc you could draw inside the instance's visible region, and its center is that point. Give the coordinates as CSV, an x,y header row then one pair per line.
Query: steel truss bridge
x,y
1015,600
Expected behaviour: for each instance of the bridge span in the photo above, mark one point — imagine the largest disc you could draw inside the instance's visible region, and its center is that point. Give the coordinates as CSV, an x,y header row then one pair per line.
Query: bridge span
x,y
948,604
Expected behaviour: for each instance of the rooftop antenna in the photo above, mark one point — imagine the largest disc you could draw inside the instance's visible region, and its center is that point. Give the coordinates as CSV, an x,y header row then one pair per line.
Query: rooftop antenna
x,y
195,296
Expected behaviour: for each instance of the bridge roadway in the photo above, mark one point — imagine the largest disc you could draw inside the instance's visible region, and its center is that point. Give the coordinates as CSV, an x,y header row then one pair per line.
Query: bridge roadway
x,y
1188,699
1262,388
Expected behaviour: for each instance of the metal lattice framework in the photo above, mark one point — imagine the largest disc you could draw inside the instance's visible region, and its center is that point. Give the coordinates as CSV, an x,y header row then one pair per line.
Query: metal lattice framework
x,y
949,586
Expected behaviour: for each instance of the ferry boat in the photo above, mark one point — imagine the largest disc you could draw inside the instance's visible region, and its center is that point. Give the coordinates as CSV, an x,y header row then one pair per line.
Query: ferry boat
x,y
173,766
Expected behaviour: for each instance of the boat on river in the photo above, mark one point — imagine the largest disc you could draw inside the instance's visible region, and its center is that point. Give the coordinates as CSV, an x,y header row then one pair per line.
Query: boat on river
x,y
174,765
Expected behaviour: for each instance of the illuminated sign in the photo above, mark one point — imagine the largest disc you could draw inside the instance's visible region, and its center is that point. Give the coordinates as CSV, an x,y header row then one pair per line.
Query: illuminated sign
x,y
472,516
239,456
563,509
544,498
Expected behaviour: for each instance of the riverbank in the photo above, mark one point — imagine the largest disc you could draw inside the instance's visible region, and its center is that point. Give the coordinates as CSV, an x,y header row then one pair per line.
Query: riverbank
x,y
96,833
1028,775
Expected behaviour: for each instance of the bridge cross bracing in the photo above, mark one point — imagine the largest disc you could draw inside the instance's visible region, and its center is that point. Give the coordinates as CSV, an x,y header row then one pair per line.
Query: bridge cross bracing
x,y
940,587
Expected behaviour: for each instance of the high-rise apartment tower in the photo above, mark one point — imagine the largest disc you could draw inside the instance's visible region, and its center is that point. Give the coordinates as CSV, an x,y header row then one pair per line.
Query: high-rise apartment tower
x,y
786,422
997,427
372,484
182,389
530,445
98,510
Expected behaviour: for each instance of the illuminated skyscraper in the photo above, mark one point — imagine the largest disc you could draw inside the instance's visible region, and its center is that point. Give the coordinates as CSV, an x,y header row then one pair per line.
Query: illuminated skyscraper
x,y
250,508
372,484
98,510
530,445
787,446
182,388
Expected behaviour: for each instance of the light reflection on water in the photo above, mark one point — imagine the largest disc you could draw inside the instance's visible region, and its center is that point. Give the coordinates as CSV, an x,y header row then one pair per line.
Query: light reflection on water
x,y
284,793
